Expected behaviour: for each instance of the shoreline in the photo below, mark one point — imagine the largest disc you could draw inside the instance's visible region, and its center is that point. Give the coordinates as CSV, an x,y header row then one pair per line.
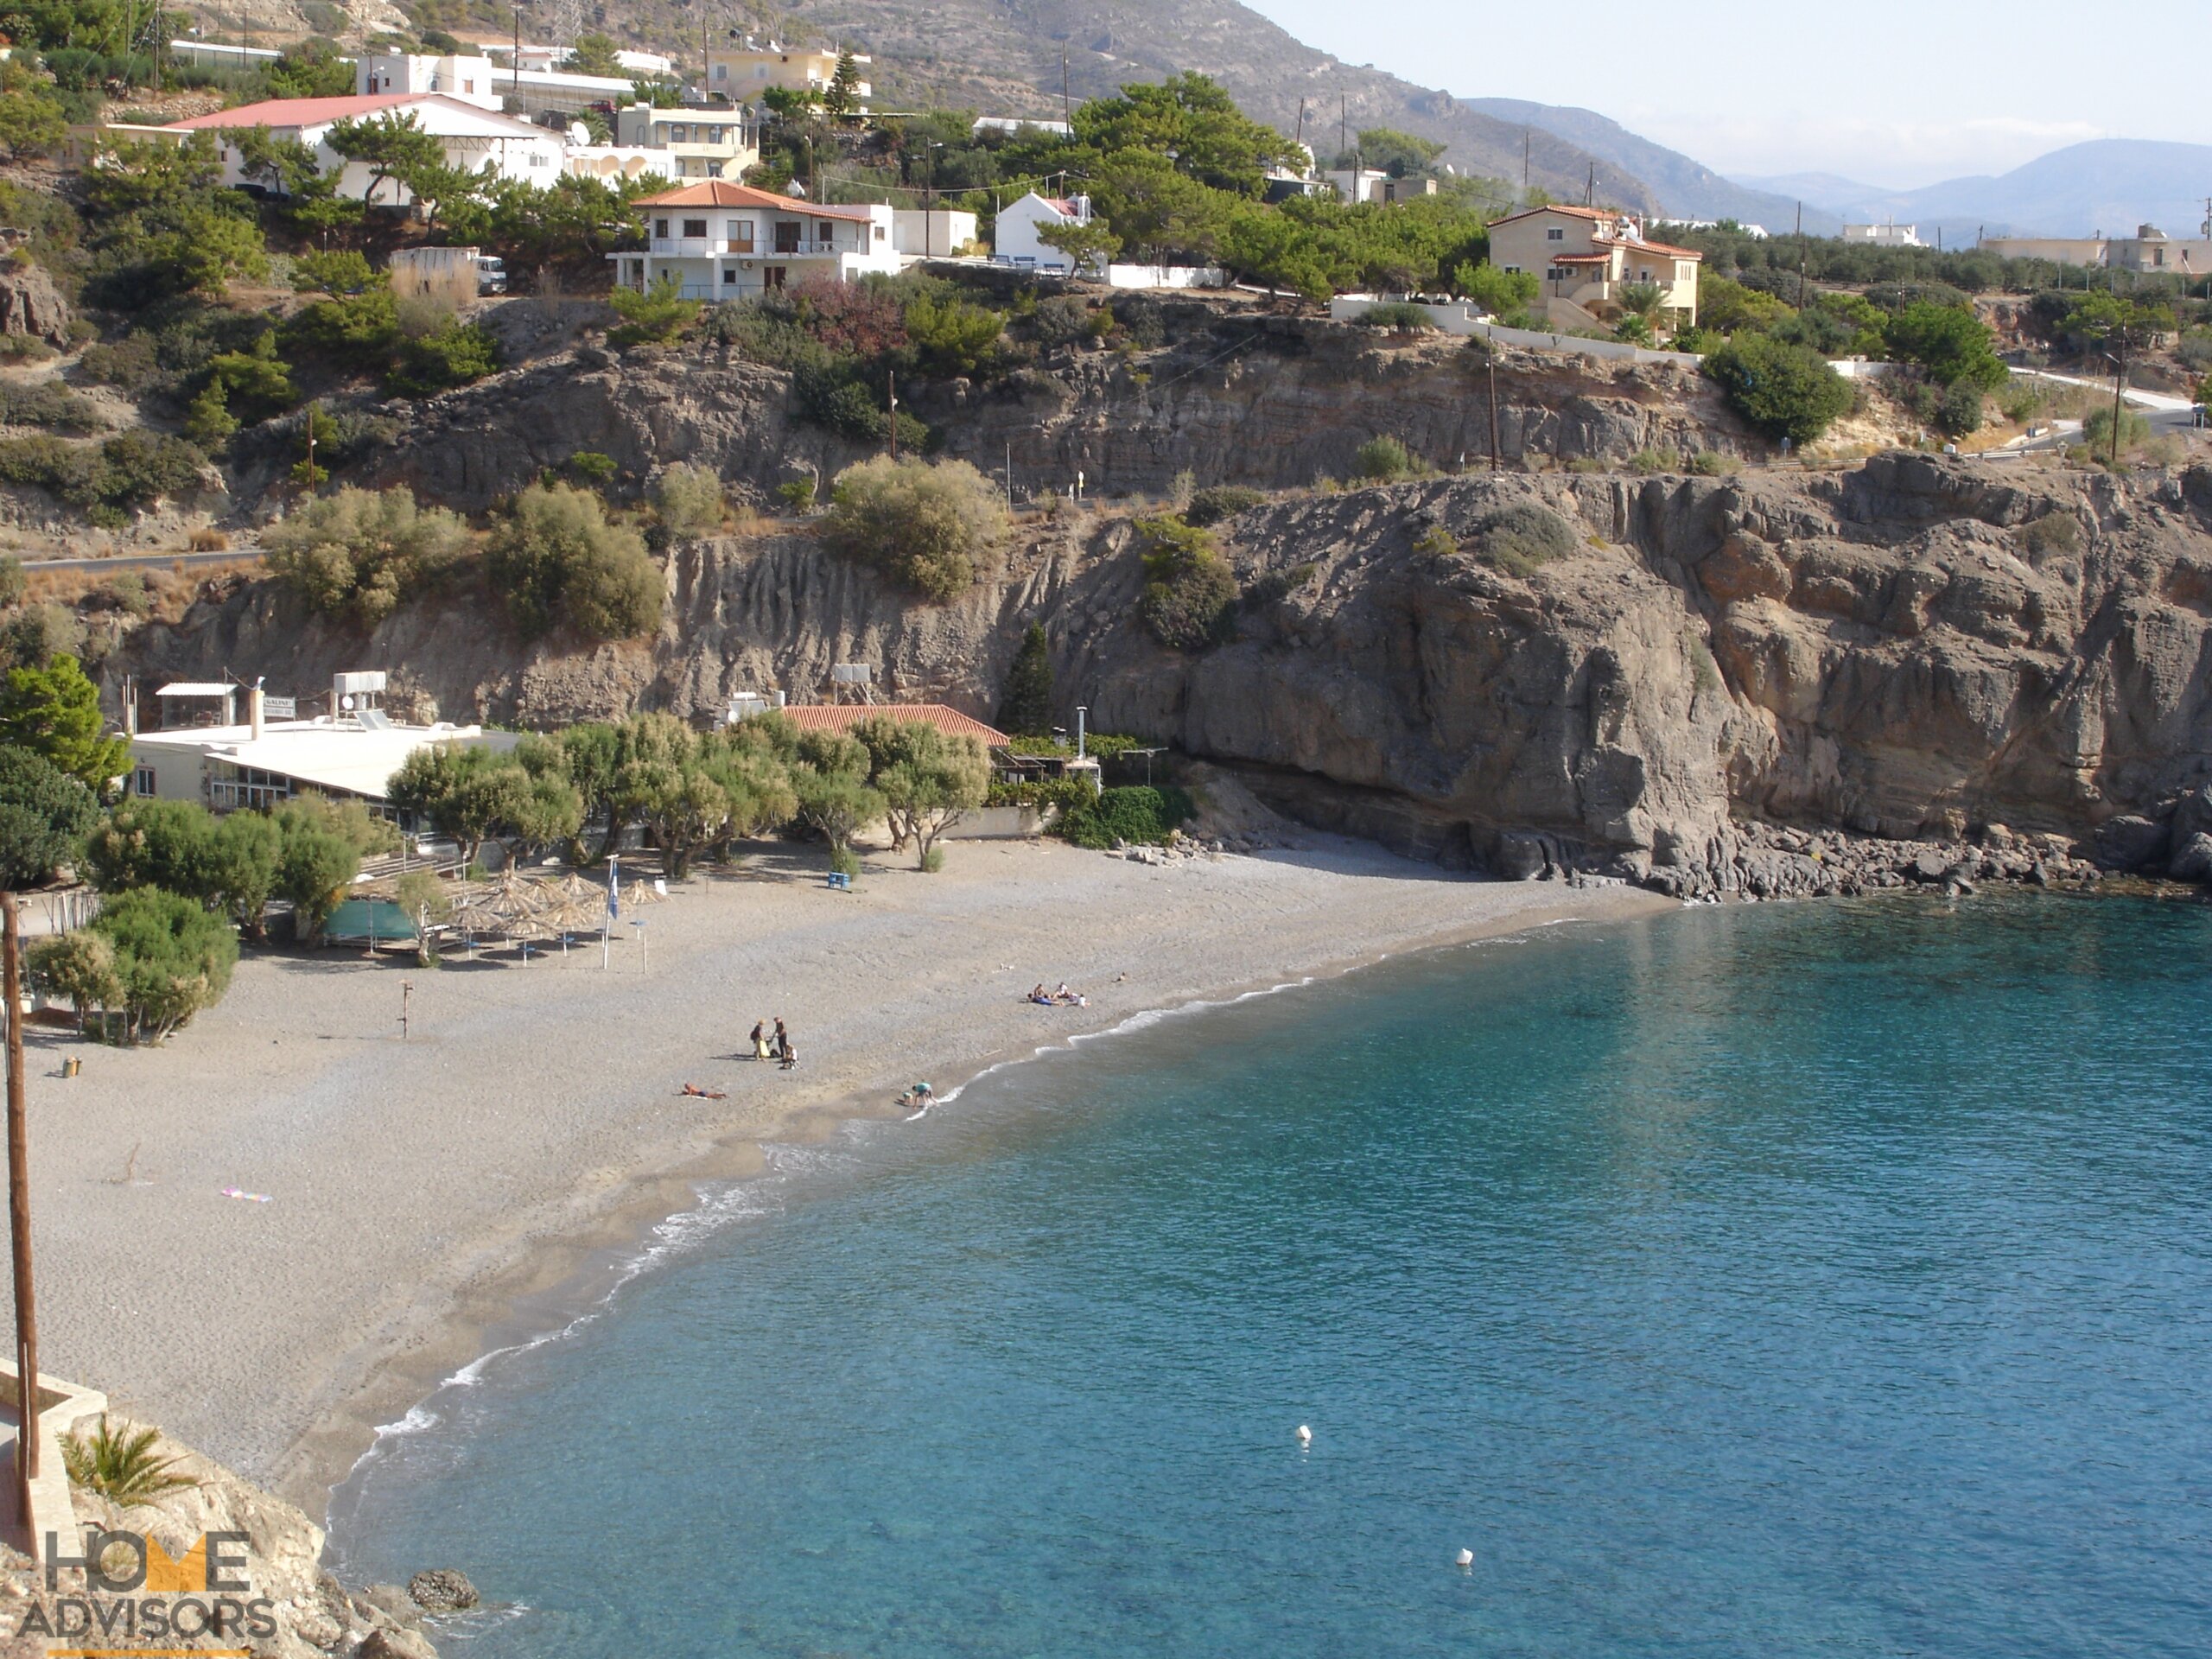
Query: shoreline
x,y
353,1370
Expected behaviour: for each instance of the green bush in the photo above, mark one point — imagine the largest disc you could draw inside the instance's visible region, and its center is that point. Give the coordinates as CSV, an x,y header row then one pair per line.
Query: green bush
x,y
1026,701
556,560
1384,461
928,525
1221,501
652,316
107,479
592,469
1712,463
1520,539
1278,585
45,815
336,272
1960,411
2055,532
458,354
689,500
47,403
2097,432
1191,594
951,337
360,554
1401,316
1138,815
168,959
1786,391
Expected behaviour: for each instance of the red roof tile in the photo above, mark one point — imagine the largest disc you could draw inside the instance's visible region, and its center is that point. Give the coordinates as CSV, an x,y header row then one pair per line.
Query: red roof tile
x,y
300,112
844,716
720,192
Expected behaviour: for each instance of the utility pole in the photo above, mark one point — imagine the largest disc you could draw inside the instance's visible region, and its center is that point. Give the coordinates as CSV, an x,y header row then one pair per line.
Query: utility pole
x,y
19,1217
1590,186
2119,391
1067,108
890,397
1524,164
1801,255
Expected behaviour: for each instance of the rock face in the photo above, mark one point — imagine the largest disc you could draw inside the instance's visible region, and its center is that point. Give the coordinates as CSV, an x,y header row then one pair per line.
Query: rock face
x,y
314,1617
1231,397
30,304
1882,655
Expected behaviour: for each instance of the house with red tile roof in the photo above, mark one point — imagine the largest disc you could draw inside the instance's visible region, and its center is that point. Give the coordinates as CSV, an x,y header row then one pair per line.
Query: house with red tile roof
x,y
474,139
720,240
1583,257
844,716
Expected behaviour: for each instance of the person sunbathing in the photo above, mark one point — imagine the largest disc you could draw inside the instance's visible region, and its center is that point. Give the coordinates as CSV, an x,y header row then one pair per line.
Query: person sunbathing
x,y
697,1093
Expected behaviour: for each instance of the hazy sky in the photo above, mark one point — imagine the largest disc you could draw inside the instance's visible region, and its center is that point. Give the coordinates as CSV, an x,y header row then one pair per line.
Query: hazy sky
x,y
1891,92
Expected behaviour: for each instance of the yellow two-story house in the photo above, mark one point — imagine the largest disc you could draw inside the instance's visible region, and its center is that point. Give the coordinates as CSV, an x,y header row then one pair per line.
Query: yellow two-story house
x,y
1583,257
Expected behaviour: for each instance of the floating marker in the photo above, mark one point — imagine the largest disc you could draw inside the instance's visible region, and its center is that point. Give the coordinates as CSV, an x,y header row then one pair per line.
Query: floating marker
x,y
1466,1558
1305,1435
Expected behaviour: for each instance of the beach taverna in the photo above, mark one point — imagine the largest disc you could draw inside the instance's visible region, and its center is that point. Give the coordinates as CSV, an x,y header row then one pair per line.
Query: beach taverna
x,y
350,752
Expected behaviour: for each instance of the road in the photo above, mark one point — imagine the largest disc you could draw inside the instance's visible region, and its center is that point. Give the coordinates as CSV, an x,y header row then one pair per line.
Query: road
x,y
144,561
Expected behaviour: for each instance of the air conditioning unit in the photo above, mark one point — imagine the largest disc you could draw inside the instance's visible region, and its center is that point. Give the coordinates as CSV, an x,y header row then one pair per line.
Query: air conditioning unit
x,y
744,264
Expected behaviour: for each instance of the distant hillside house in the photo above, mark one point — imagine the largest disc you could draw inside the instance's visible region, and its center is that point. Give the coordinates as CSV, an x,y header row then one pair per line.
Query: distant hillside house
x,y
1583,257
725,241
701,144
1892,235
476,79
1020,221
474,139
1356,184
742,73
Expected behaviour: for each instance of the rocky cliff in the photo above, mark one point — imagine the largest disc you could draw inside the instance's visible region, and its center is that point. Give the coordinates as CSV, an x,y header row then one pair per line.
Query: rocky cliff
x,y
1913,648
1235,394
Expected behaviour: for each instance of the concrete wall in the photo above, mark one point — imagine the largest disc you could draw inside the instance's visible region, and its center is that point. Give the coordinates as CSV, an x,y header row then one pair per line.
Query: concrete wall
x,y
1461,320
1165,276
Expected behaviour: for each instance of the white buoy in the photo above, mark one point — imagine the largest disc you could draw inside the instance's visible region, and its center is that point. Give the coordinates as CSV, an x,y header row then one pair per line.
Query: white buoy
x,y
1305,1435
1466,1558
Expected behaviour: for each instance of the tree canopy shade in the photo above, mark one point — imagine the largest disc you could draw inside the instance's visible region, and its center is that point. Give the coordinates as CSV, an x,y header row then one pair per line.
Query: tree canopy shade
x,y
156,958
556,560
55,712
1786,390
45,815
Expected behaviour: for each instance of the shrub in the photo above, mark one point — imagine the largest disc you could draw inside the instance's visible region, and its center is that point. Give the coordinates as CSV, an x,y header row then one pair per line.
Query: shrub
x,y
1062,321
360,554
2055,532
652,316
13,581
1279,585
171,960
927,525
592,469
47,403
339,272
799,493
131,469
1960,411
1786,391
1383,460
932,861
1137,815
1520,538
1401,316
1712,463
2097,432
951,337
1220,501
555,559
843,860
689,500
457,354
1190,598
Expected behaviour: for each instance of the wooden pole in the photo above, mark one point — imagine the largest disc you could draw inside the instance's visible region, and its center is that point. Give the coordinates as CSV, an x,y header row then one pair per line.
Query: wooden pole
x,y
19,1211
1493,417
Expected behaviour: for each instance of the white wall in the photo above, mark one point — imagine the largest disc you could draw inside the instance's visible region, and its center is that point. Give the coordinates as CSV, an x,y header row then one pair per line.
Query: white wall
x,y
947,228
1165,276
1016,237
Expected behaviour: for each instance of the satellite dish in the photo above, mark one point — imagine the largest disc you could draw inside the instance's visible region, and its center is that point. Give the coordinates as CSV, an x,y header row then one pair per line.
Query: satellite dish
x,y
345,701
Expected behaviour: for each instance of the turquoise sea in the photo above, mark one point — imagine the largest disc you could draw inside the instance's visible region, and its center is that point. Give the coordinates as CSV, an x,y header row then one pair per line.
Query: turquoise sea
x,y
1829,1279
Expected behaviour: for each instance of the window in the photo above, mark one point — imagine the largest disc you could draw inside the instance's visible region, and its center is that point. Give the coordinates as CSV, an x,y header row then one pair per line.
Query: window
x,y
713,136
694,227
1555,234
740,235
788,234
1516,270
469,85
680,133
533,160
142,782
660,134
824,232
729,276
879,232
660,227
722,71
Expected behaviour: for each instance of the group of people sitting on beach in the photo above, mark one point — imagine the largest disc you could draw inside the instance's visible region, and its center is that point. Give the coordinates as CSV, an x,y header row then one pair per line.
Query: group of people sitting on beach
x,y
1063,998
777,1048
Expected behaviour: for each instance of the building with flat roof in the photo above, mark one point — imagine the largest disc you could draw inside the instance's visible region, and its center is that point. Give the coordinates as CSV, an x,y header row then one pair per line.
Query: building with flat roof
x,y
259,762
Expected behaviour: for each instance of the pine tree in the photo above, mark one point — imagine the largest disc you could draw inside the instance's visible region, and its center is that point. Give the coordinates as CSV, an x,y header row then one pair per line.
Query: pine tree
x,y
55,712
1026,708
844,96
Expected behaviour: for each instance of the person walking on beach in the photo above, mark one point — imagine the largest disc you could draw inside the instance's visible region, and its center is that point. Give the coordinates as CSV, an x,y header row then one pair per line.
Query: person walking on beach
x,y
782,1047
759,1039
790,1056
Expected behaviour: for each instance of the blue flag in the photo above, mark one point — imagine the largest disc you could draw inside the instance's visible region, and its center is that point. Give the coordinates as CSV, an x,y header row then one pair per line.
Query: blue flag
x,y
614,889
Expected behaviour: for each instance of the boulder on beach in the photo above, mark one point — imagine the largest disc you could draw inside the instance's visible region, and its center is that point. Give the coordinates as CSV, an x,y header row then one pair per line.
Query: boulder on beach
x,y
442,1590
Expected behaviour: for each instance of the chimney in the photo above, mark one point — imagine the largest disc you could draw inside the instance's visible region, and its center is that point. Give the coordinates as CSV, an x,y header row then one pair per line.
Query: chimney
x,y
253,709
130,705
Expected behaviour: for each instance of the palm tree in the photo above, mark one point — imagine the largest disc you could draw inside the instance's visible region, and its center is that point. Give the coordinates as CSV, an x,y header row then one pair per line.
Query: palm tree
x,y
120,1465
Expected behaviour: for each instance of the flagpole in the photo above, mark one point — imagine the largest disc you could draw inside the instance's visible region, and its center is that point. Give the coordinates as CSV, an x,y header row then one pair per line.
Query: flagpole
x,y
613,905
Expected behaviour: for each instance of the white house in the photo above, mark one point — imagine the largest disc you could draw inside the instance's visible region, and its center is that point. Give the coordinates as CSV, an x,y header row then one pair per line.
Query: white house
x,y
1020,221
725,241
700,143
931,232
1018,123
472,137
1357,184
1892,235
473,80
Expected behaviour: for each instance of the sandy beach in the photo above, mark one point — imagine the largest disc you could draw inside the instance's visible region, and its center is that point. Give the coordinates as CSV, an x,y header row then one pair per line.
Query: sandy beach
x,y
533,1114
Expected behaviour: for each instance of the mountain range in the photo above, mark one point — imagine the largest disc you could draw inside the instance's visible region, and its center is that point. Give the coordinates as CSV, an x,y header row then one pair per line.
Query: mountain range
x,y
2107,186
